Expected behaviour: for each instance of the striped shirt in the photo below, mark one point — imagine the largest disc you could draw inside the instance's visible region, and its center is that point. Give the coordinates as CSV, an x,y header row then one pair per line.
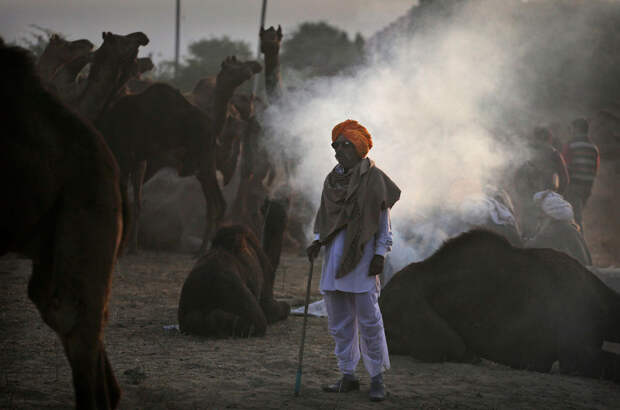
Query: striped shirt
x,y
582,158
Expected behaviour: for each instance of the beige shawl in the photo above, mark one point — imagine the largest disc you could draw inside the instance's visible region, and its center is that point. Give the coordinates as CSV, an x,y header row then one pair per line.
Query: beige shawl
x,y
354,200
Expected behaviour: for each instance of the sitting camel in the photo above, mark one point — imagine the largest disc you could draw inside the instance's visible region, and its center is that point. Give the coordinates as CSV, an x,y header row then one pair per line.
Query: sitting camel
x,y
229,292
61,207
478,296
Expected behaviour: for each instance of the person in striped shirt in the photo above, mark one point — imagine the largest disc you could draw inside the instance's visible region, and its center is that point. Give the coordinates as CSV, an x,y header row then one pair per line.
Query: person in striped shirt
x,y
582,158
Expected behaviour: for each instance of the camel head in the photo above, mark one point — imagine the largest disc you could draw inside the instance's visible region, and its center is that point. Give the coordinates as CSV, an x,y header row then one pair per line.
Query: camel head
x,y
145,64
233,238
234,72
270,40
60,52
116,59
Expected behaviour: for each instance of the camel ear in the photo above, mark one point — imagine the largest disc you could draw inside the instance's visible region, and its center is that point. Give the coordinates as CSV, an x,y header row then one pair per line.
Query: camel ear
x,y
54,38
145,64
279,32
104,35
139,37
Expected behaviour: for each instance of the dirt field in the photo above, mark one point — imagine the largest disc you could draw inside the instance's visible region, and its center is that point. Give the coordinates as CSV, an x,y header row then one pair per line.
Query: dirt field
x,y
164,369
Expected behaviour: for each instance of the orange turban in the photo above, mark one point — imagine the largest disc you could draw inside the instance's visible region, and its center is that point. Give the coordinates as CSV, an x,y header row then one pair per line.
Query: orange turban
x,y
356,133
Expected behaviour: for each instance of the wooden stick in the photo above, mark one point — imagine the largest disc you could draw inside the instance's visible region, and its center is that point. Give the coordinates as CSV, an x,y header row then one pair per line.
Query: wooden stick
x,y
303,331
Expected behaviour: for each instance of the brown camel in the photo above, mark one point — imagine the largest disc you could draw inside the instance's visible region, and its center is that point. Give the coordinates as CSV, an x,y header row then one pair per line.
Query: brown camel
x,y
61,207
160,127
215,96
270,41
270,46
114,63
138,84
61,62
478,296
229,292
60,52
254,175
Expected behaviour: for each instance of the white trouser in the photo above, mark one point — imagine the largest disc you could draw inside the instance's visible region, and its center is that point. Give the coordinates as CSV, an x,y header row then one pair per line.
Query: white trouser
x,y
355,322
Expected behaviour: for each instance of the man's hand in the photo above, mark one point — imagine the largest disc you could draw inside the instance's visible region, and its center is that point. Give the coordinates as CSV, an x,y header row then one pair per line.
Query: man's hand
x,y
313,250
376,265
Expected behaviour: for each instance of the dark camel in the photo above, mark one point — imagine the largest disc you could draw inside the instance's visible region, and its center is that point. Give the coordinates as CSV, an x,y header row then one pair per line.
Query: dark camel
x,y
215,96
160,127
478,296
270,46
270,41
61,62
60,52
61,207
114,64
229,292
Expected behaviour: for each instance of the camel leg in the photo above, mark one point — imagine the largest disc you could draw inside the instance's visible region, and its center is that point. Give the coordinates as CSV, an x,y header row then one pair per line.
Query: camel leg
x,y
70,286
137,181
215,205
275,310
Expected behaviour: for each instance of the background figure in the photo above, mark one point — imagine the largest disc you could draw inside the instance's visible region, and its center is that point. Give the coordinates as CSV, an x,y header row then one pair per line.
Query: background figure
x,y
548,159
546,218
582,158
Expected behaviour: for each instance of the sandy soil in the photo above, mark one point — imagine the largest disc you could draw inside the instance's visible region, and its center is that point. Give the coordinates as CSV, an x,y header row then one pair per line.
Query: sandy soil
x,y
164,369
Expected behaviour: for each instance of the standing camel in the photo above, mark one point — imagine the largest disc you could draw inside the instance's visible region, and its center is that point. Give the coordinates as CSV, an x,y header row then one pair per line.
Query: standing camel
x,y
161,127
299,214
61,207
59,52
270,40
60,63
114,63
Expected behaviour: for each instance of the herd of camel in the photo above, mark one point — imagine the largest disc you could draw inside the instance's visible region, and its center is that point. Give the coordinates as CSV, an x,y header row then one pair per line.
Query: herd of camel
x,y
73,139
82,124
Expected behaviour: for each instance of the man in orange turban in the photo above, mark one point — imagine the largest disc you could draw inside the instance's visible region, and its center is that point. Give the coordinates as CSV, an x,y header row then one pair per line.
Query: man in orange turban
x,y
353,224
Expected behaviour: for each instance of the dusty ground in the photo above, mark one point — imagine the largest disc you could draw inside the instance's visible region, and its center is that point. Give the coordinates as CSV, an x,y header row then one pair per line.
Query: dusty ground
x,y
163,369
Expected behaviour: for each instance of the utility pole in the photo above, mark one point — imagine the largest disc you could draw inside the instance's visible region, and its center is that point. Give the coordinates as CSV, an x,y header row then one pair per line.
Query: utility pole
x,y
262,24
177,38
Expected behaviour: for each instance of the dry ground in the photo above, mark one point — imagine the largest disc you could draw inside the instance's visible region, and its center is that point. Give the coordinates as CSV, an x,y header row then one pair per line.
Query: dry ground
x,y
163,369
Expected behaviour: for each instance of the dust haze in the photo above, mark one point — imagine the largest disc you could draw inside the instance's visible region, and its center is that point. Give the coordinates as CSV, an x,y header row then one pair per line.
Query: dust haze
x,y
448,95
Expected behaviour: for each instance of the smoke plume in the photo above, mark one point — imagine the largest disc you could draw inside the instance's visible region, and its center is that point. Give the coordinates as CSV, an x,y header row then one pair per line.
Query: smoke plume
x,y
448,95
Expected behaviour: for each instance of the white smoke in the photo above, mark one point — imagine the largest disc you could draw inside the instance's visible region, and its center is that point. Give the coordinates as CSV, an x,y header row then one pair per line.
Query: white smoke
x,y
436,108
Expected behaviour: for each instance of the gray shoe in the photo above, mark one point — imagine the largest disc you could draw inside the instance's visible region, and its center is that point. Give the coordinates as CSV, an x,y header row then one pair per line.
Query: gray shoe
x,y
377,388
346,384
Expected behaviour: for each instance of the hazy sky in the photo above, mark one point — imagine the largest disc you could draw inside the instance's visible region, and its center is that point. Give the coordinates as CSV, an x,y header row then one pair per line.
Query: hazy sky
x,y
238,19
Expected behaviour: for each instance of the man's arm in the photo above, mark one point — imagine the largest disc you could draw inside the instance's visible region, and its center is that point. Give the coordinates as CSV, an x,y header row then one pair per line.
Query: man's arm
x,y
383,243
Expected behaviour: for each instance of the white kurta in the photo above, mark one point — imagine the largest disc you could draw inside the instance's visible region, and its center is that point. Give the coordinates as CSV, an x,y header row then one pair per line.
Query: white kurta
x,y
356,281
352,303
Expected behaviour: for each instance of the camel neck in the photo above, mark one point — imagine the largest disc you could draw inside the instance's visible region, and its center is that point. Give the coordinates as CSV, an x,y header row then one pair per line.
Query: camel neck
x,y
273,84
223,96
